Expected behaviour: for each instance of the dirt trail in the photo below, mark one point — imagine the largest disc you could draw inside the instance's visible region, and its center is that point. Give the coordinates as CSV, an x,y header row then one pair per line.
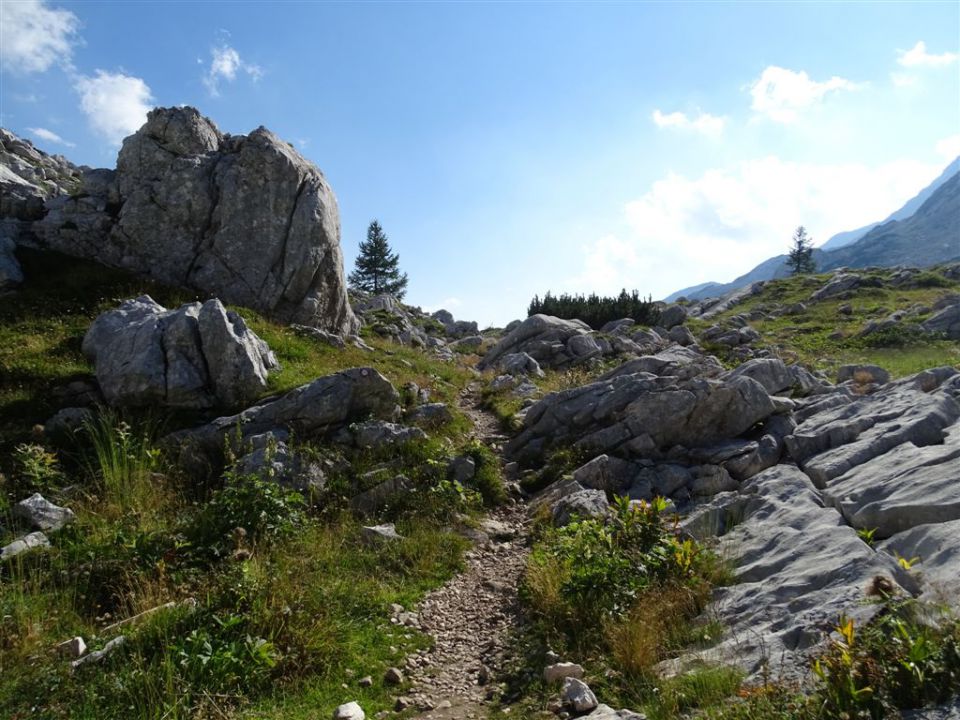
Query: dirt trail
x,y
472,617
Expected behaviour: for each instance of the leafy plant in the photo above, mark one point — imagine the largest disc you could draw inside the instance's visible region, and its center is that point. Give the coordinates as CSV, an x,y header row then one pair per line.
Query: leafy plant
x,y
38,469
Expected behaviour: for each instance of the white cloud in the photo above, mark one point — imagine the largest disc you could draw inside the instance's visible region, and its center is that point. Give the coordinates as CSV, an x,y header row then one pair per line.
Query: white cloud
x,y
115,104
949,147
33,37
225,64
918,56
719,225
903,79
704,123
50,136
781,94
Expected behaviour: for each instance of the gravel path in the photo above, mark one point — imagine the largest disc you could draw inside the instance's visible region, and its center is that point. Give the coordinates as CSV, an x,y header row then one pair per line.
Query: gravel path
x,y
472,617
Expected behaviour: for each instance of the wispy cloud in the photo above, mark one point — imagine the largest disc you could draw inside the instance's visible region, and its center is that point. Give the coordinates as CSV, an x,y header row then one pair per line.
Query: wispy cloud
x,y
50,136
719,224
225,65
34,37
783,94
115,104
917,56
704,123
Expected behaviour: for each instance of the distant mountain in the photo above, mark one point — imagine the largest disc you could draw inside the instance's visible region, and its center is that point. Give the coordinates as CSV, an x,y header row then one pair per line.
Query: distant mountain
x,y
930,236
933,238
851,236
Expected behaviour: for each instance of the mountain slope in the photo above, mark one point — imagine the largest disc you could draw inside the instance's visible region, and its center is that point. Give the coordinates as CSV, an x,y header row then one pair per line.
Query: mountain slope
x,y
924,247
909,208
931,235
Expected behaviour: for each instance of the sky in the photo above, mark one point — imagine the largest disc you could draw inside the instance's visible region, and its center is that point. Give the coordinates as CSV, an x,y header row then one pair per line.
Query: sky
x,y
514,148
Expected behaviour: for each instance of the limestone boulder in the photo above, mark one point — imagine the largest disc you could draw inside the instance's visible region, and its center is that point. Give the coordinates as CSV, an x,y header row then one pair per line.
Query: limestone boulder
x,y
244,218
198,356
545,339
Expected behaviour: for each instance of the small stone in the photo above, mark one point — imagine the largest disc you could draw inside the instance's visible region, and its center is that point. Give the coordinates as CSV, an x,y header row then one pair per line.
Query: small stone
x,y
577,695
43,514
402,703
72,648
349,711
365,682
393,676
23,544
483,676
559,671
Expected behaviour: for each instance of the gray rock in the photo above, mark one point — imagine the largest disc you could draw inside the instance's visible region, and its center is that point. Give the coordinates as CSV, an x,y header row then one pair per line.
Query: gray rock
x,y
543,337
673,315
73,648
578,696
315,410
560,671
611,415
901,488
393,676
99,655
610,474
198,356
946,321
682,363
349,711
938,558
464,468
517,364
798,565
839,284
376,534
772,373
605,712
23,544
42,514
582,347
662,479
681,335
327,338
849,432
712,479
244,218
948,711
378,433
581,504
277,462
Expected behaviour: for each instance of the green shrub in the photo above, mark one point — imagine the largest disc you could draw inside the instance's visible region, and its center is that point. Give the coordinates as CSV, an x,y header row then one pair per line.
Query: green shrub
x,y
597,311
37,470
487,478
122,458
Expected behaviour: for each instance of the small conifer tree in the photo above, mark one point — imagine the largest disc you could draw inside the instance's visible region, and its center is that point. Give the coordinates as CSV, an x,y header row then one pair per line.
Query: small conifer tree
x,y
377,268
800,260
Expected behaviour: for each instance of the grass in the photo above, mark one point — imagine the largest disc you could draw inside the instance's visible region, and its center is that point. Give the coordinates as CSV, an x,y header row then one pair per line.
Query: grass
x,y
809,337
291,605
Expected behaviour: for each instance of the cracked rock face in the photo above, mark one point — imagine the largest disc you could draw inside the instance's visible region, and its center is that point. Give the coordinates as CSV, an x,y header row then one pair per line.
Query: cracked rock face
x,y
245,218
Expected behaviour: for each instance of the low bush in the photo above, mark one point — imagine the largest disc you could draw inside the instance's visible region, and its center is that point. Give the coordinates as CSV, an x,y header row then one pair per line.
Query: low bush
x,y
597,311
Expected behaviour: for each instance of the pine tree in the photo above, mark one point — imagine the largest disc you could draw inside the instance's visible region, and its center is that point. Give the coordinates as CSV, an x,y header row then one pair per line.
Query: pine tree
x,y
800,260
377,268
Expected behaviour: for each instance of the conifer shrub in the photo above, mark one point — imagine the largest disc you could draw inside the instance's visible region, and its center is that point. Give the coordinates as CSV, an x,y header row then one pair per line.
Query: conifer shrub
x,y
596,310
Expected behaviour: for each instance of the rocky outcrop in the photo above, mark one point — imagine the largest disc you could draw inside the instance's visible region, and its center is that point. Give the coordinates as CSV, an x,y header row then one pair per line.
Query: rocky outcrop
x,y
551,341
407,325
798,566
244,218
197,356
312,411
641,415
946,321
28,178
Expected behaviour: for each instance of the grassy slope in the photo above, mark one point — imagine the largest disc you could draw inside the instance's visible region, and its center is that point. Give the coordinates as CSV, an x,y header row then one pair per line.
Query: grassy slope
x,y
805,338
316,596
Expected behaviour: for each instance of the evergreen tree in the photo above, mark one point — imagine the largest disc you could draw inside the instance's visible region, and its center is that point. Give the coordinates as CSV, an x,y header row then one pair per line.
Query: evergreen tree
x,y
377,268
800,260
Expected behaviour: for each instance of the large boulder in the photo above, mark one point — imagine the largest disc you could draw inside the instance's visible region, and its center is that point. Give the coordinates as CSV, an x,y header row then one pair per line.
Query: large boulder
x,y
947,321
638,414
245,218
197,356
10,272
547,340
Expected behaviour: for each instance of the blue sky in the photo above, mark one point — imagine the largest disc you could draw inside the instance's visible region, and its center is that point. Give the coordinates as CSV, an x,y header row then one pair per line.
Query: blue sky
x,y
509,149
